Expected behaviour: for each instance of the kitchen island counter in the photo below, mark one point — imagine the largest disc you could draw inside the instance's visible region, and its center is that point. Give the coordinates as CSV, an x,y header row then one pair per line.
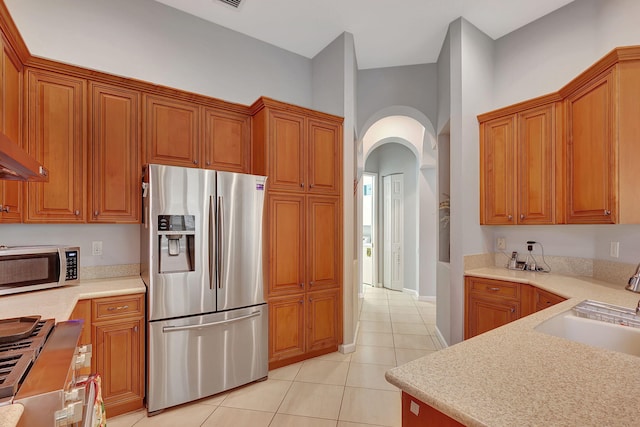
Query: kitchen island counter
x,y
58,303
514,375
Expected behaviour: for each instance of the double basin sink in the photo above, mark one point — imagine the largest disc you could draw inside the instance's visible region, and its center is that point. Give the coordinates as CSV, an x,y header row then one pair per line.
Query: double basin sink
x,y
597,324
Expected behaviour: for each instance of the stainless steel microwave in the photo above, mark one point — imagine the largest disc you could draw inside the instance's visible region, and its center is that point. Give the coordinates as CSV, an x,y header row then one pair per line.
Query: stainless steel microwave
x,y
30,268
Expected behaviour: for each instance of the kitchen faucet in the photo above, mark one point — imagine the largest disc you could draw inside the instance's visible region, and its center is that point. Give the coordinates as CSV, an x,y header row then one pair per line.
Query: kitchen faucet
x,y
634,281
638,308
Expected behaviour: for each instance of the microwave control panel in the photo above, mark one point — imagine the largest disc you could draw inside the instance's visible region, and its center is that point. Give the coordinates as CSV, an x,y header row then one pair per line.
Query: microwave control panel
x,y
72,265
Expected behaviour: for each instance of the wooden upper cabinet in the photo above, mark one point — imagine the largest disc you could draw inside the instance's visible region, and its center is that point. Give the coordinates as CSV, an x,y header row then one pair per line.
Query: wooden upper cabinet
x,y
518,168
324,173
286,215
287,156
227,139
324,245
591,152
535,165
497,172
114,154
171,131
56,138
11,192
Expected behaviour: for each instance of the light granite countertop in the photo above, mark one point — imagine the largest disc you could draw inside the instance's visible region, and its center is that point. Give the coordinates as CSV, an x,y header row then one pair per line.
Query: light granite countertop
x,y
514,375
10,415
58,303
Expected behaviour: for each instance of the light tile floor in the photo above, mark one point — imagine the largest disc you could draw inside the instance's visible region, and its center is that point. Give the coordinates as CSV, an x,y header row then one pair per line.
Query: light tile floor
x,y
335,390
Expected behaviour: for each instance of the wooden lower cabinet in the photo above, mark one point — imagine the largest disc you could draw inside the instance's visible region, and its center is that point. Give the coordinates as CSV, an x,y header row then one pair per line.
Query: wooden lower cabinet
x,y
416,413
492,303
115,327
304,325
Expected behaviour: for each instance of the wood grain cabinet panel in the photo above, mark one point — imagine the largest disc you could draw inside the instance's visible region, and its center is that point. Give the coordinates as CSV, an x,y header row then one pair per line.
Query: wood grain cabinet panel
x,y
286,328
114,154
56,138
324,173
543,299
324,319
591,153
171,131
227,138
323,242
286,171
518,170
416,413
286,243
489,304
11,192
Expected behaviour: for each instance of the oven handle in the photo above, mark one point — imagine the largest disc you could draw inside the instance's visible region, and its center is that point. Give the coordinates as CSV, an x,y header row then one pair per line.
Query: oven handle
x,y
207,325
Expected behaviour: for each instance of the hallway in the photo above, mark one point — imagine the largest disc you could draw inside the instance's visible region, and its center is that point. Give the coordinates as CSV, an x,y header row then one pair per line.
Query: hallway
x,y
335,390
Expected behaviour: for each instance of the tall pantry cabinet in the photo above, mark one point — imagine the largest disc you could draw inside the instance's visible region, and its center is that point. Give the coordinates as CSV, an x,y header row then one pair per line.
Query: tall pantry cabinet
x,y
300,151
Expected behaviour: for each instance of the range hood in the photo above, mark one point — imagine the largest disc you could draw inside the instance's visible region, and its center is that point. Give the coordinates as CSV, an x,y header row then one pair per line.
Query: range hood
x,y
17,165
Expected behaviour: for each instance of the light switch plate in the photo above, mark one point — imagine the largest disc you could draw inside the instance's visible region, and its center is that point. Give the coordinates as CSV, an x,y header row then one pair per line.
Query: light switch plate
x,y
96,248
614,251
501,243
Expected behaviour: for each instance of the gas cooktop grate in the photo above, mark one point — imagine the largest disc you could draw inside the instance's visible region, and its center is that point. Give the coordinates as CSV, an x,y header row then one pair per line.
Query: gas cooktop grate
x,y
17,357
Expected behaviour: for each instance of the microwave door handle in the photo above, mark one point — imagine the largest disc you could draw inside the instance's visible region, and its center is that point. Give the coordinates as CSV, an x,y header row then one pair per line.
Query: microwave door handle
x,y
62,257
211,245
166,329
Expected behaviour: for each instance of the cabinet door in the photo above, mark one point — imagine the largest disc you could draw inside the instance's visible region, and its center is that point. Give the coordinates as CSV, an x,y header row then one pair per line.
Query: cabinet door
x,y
286,244
591,153
535,161
286,327
171,131
114,154
56,138
323,242
416,413
544,299
11,121
119,353
485,314
497,175
286,134
325,153
226,141
324,319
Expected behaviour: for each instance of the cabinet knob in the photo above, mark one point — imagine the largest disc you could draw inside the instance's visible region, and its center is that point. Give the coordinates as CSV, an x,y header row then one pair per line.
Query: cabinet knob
x,y
302,184
77,212
493,289
310,185
95,213
510,217
607,212
135,329
195,162
521,216
301,301
5,209
301,285
311,283
513,310
208,163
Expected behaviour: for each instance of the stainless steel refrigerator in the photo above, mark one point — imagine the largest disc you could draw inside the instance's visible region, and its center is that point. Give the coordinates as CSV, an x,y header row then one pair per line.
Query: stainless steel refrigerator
x,y
202,262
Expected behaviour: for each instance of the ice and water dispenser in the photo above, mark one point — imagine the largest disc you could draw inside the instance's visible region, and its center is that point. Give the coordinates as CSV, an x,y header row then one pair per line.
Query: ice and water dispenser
x,y
176,238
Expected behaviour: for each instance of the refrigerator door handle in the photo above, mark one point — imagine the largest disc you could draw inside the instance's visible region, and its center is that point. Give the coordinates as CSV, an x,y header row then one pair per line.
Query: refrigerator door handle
x,y
166,329
210,263
220,243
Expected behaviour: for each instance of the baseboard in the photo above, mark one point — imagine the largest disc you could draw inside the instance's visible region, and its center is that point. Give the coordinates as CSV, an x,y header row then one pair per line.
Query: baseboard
x,y
411,292
347,348
441,339
427,299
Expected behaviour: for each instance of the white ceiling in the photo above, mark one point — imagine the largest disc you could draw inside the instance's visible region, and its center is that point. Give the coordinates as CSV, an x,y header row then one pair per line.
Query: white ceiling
x,y
386,32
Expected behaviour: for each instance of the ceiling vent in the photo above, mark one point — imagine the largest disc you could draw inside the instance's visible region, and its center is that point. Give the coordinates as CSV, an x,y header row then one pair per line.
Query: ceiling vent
x,y
233,3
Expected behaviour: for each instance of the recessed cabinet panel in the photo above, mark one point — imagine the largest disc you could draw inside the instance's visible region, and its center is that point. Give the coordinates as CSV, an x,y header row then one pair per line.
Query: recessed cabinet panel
x,y
590,151
324,157
171,132
11,192
56,139
286,243
226,141
287,154
498,171
324,319
114,154
324,244
286,327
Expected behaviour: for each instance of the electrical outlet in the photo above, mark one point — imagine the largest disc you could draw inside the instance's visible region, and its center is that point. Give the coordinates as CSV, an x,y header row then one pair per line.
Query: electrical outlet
x,y
501,243
614,250
96,248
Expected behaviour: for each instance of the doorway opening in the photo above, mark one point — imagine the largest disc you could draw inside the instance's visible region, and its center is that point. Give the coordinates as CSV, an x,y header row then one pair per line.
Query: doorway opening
x,y
369,217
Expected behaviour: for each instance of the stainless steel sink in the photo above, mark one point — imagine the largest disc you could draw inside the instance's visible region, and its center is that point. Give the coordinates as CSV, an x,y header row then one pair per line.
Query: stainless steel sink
x,y
598,324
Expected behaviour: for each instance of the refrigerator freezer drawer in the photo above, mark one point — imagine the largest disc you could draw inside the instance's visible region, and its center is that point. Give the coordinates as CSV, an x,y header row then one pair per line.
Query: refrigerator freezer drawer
x,y
199,356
